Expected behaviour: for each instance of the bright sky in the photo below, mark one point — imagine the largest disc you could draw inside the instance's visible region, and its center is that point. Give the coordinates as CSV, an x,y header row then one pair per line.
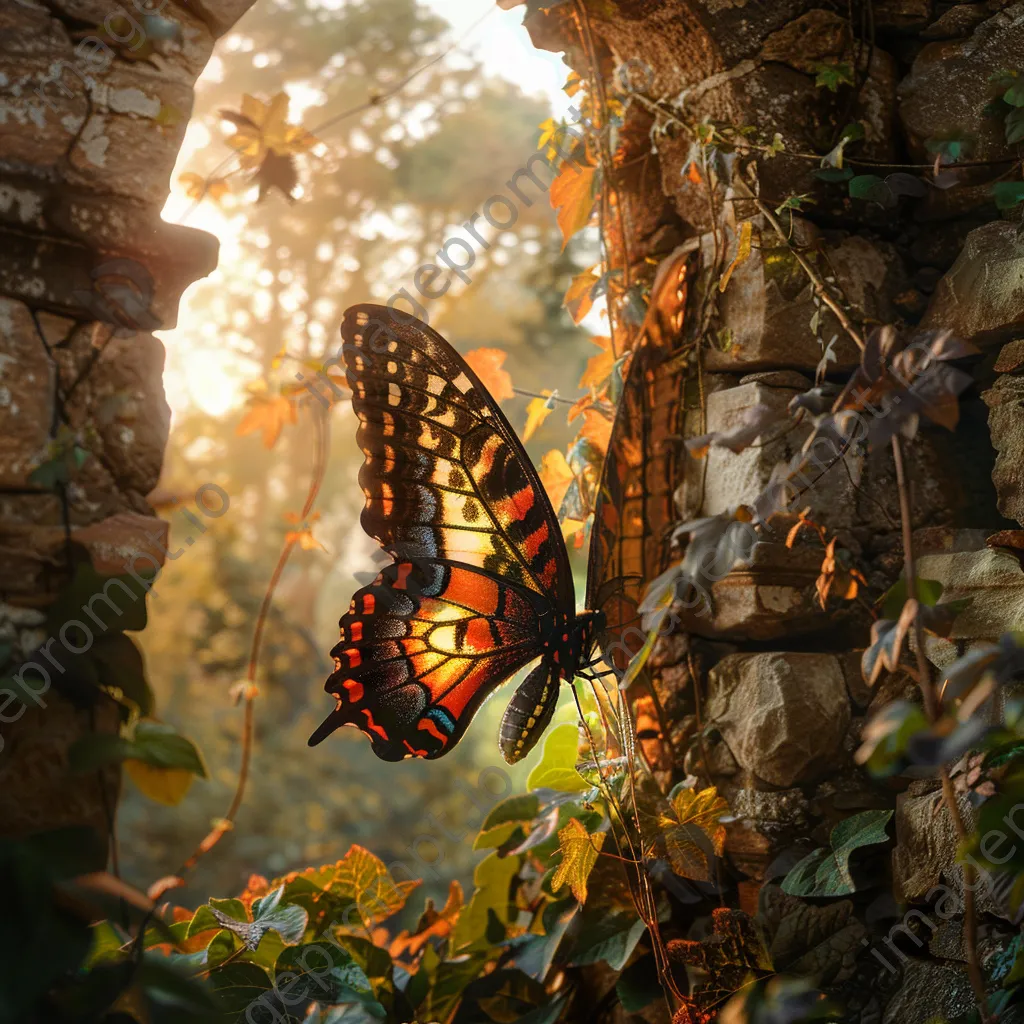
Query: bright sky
x,y
200,371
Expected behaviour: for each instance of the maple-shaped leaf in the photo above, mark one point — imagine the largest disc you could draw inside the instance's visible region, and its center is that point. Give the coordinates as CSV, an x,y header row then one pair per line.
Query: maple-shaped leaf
x,y
692,832
579,298
836,577
579,855
197,187
303,536
488,364
599,367
263,127
724,962
597,427
576,409
556,475
268,413
433,924
537,411
573,193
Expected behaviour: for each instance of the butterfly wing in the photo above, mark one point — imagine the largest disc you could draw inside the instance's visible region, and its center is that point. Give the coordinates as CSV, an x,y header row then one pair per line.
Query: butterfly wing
x,y
635,509
480,574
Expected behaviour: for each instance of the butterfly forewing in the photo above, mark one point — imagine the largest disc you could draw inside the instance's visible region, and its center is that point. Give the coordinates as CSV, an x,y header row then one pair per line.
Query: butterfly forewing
x,y
480,579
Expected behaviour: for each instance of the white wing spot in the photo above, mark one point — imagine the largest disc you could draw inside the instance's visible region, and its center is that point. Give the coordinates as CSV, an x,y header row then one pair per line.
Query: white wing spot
x,y
462,383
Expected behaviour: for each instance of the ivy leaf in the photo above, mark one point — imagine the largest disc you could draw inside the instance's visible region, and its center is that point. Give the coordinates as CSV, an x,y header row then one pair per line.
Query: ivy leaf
x,y
573,193
267,413
537,411
754,423
600,366
1015,124
893,600
580,296
832,74
579,855
726,961
827,872
488,364
557,766
433,924
873,189
363,877
323,972
1008,194
693,832
556,476
639,985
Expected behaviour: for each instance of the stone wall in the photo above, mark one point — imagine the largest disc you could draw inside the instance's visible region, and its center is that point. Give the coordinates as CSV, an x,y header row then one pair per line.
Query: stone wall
x,y
89,132
783,697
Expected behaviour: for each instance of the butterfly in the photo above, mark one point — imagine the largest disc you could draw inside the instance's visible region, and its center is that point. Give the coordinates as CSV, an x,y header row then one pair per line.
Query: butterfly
x,y
480,583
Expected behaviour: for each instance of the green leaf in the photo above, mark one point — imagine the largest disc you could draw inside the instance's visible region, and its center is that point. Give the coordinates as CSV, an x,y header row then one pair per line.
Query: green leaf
x,y
325,973
1015,94
834,174
450,982
492,881
557,766
102,603
871,188
608,937
1015,125
154,743
268,914
832,75
639,985
204,919
240,987
827,872
892,601
119,666
1008,194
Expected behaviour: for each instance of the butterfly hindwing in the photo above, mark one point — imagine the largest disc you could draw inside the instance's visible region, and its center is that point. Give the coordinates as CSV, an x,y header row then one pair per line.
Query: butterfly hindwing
x,y
480,580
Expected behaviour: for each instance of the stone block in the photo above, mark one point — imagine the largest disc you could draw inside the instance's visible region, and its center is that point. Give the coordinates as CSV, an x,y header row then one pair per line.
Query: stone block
x,y
1006,424
783,714
763,824
994,582
930,992
981,298
769,304
948,87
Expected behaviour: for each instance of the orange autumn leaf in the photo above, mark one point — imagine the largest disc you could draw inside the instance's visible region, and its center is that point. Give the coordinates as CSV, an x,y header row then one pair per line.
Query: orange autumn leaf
x,y
599,367
303,536
198,187
488,365
572,194
432,924
538,410
597,428
744,247
576,409
268,413
556,476
578,299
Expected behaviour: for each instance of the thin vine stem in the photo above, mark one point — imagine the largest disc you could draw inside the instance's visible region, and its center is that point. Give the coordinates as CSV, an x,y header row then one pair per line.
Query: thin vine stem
x,y
933,709
223,825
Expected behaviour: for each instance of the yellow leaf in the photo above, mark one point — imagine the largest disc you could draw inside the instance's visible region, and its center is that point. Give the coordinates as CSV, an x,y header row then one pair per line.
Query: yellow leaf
x,y
599,367
198,187
487,364
579,855
572,84
557,766
268,413
597,428
537,411
164,785
364,878
267,129
693,832
578,301
572,195
556,476
743,249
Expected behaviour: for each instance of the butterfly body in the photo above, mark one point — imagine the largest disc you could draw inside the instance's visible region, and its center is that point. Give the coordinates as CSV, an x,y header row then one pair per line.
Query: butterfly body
x,y
480,584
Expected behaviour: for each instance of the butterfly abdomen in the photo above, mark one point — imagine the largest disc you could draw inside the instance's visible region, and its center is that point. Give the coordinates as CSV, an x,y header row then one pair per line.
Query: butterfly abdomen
x,y
529,712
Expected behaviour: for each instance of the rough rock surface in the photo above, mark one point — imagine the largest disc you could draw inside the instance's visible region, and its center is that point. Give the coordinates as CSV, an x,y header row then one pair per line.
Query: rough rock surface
x,y
783,715
1006,422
